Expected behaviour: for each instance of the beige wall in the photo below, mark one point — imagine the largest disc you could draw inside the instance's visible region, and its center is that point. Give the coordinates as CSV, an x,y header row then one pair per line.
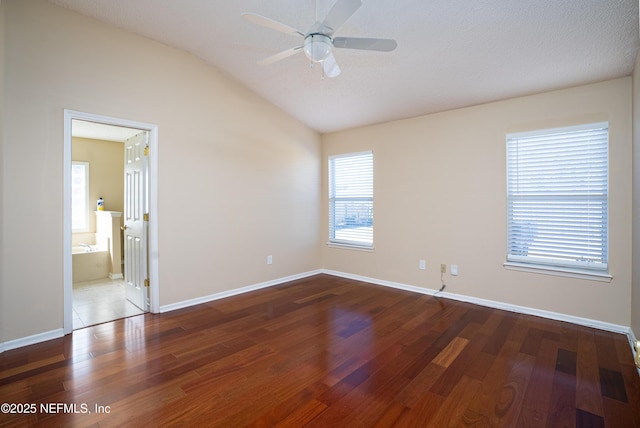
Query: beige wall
x,y
440,196
238,178
2,244
635,301
106,173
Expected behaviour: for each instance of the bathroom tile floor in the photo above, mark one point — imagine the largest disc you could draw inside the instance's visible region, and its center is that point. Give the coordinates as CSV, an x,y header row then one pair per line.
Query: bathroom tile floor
x,y
95,302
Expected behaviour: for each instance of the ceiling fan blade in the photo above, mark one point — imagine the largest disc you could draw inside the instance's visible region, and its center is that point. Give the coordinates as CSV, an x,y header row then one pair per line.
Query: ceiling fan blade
x,y
338,15
280,55
270,23
330,66
369,44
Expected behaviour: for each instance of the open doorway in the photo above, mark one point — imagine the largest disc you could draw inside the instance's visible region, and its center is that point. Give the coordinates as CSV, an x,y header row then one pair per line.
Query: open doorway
x,y
110,254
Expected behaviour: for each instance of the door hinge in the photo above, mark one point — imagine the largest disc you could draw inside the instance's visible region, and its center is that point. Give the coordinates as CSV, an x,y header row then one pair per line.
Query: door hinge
x,y
146,282
145,216
146,150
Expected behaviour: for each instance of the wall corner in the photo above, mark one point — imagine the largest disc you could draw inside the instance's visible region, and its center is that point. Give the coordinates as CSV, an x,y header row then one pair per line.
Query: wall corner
x,y
635,224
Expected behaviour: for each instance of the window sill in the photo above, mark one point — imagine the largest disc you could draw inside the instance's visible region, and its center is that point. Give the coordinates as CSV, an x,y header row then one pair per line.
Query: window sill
x,y
558,271
350,247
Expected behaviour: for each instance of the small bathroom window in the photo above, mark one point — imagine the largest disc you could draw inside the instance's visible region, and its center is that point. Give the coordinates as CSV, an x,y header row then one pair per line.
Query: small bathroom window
x,y
80,196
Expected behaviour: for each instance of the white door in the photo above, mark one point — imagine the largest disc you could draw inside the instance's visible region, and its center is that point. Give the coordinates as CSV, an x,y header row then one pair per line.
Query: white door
x,y
135,220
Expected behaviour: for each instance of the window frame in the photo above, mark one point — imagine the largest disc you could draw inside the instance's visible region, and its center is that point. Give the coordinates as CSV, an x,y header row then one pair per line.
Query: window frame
x,y
557,266
332,199
86,209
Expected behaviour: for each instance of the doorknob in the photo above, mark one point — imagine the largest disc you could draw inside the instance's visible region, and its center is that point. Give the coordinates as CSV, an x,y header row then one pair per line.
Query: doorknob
x,y
123,227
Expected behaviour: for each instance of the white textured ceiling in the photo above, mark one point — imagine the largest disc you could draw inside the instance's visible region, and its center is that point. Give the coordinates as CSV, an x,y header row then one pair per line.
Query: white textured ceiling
x,y
451,53
101,131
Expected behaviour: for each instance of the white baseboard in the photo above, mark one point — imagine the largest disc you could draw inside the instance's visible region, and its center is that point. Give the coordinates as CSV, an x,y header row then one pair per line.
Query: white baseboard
x,y
115,275
632,338
600,325
31,340
489,303
632,341
54,334
234,292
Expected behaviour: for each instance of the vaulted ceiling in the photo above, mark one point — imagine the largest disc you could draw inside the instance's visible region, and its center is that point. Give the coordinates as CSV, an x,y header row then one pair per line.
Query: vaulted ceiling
x,y
450,54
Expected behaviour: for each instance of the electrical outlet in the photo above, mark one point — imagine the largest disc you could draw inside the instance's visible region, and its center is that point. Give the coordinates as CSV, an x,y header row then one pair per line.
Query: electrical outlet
x,y
443,268
454,270
423,265
269,260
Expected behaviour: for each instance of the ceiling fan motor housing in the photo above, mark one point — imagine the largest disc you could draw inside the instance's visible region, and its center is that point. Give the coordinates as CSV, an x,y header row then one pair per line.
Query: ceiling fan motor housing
x,y
319,41
317,47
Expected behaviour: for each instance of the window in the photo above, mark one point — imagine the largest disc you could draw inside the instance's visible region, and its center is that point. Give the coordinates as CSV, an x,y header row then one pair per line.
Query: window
x,y
557,195
351,200
79,196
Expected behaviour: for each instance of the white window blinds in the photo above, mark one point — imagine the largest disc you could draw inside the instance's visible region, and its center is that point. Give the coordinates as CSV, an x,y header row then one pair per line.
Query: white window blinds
x,y
557,194
351,199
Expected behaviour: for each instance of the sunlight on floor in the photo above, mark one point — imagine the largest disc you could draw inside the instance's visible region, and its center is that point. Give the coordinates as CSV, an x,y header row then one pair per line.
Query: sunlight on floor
x,y
99,301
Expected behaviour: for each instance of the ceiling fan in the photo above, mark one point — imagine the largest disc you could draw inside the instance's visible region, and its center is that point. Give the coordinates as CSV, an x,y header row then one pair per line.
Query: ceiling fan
x,y
319,41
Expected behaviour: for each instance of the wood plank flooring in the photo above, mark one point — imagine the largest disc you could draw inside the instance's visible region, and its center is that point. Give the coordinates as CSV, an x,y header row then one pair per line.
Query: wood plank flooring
x,y
321,352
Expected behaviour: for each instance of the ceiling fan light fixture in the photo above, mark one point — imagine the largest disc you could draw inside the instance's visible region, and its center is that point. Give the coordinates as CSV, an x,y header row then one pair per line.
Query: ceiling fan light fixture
x,y
319,40
317,47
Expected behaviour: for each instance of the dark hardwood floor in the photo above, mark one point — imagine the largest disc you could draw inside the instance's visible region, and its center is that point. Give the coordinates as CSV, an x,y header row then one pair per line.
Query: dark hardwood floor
x,y
321,352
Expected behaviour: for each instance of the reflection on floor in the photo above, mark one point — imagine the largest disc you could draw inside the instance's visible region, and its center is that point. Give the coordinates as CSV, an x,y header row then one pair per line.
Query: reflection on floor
x,y
99,301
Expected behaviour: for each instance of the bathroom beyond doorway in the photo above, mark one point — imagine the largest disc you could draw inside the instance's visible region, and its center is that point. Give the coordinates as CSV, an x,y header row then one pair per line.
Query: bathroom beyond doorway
x,y
72,117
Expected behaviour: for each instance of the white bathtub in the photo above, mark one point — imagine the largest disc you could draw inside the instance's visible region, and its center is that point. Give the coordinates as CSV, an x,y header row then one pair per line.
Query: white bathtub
x,y
89,262
86,248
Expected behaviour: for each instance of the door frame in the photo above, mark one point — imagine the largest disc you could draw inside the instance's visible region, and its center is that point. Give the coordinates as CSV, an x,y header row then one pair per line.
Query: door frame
x,y
152,248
